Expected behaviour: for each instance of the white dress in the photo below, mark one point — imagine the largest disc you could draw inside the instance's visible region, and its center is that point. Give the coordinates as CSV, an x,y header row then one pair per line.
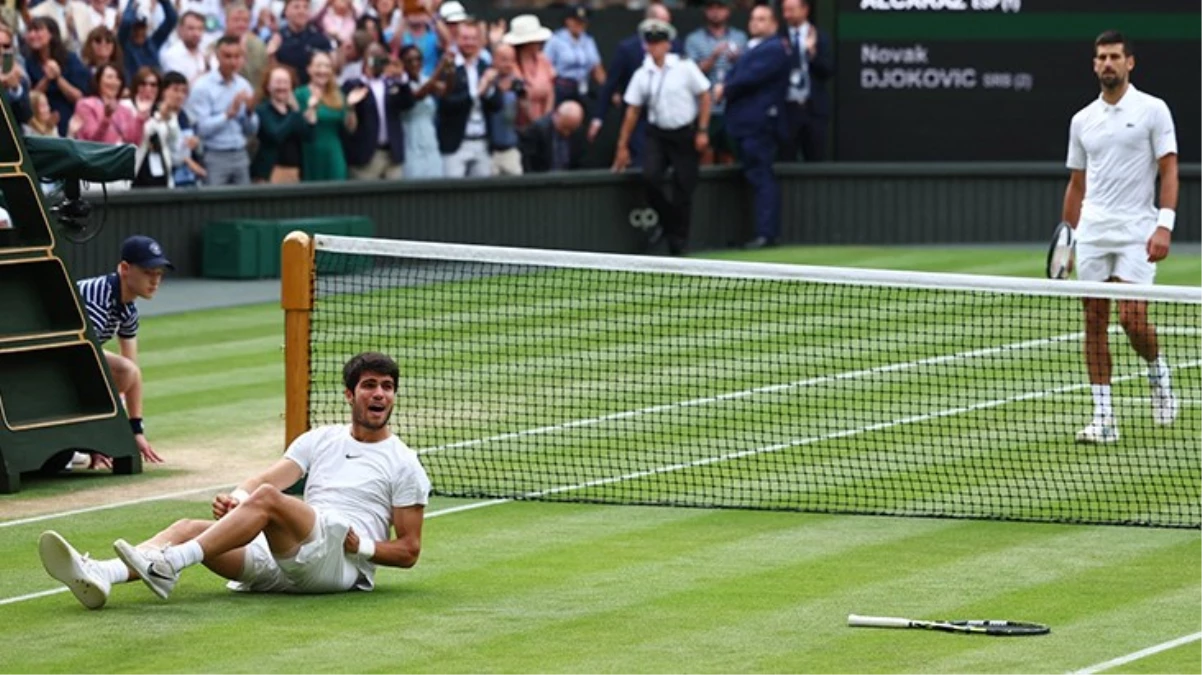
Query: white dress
x,y
422,158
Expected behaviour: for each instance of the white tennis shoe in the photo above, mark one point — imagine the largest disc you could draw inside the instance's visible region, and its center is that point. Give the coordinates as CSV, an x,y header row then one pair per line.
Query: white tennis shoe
x,y
1100,430
1164,405
77,572
150,565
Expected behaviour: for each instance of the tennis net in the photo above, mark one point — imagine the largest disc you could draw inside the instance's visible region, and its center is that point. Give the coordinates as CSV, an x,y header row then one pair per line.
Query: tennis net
x,y
553,375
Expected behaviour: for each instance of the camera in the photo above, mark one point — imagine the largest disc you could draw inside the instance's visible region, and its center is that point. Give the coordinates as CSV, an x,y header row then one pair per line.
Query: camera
x,y
518,87
69,162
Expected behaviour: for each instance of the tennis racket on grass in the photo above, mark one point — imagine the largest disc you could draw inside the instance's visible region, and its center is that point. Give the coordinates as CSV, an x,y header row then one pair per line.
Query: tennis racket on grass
x,y
1062,251
983,627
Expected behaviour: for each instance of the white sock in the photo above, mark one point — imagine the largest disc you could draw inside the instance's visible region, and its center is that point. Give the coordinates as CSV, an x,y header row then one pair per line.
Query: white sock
x,y
1101,401
184,555
113,570
1158,373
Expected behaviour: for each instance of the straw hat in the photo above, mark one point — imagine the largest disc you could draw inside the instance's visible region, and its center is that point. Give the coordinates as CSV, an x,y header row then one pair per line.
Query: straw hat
x,y
524,29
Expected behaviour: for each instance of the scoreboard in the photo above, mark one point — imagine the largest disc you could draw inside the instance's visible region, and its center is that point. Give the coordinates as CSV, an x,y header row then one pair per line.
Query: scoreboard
x,y
999,80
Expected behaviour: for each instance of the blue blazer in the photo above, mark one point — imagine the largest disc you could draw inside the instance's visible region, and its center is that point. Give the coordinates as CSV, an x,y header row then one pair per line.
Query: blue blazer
x,y
756,87
362,144
627,58
455,108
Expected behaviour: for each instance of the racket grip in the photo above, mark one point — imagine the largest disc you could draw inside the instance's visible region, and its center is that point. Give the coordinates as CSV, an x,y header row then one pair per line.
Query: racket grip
x,y
877,621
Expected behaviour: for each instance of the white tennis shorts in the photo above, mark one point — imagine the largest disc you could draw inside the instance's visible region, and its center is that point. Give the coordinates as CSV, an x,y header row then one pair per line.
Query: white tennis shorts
x,y
319,566
1129,263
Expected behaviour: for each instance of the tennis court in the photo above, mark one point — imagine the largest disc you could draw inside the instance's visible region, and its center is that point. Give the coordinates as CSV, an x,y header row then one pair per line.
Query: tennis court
x,y
554,587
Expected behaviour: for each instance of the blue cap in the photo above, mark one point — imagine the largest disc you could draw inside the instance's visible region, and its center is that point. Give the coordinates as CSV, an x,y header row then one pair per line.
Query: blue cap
x,y
144,252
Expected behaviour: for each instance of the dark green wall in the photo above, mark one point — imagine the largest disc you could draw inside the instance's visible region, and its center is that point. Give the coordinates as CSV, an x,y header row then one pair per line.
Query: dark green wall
x,y
588,210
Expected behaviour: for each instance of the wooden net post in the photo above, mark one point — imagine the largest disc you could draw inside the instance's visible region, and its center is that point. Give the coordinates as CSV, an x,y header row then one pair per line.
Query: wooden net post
x,y
296,297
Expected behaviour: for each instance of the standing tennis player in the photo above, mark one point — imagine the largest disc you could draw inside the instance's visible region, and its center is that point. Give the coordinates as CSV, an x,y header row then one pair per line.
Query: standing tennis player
x,y
1117,145
360,481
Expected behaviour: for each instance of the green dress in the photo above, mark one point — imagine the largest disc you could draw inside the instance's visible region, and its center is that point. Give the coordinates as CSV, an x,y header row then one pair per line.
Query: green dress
x,y
321,153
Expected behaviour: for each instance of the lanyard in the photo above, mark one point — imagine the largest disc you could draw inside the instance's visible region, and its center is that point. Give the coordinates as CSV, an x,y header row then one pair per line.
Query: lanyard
x,y
653,99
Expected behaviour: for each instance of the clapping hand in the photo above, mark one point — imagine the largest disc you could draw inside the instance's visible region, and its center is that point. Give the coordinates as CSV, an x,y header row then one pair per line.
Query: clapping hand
x,y
487,80
52,70
356,96
496,31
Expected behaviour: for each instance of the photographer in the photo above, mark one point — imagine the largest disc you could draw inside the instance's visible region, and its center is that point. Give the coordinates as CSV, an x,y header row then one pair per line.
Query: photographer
x,y
503,133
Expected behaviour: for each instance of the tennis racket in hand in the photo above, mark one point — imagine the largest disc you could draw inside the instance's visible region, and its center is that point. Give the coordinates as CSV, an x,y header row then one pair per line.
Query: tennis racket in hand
x,y
1062,252
978,627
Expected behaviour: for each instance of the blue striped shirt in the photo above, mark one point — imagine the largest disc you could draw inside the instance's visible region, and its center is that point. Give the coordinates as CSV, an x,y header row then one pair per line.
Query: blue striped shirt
x,y
102,303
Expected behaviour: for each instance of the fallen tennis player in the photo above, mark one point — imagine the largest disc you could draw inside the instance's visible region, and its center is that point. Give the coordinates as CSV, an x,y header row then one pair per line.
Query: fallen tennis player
x,y
360,480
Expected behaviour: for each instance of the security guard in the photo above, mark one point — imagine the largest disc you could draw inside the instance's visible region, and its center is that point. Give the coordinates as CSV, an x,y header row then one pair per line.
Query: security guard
x,y
755,92
676,95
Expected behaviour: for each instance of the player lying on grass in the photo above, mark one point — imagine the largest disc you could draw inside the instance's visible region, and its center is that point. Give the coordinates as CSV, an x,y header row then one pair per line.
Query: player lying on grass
x,y
360,479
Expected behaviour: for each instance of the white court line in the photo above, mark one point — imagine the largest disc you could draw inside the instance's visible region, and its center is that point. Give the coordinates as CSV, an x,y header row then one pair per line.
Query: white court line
x,y
797,384
578,423
848,375
113,505
766,389
33,596
895,367
948,412
1135,656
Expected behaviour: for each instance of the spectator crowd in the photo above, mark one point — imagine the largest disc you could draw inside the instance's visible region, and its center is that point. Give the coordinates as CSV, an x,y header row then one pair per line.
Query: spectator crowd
x,y
229,92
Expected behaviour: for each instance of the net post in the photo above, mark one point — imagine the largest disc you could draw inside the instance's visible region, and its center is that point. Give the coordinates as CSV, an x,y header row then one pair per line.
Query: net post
x,y
296,298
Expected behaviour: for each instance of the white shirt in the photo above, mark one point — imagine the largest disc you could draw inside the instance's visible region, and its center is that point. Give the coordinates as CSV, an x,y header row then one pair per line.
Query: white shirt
x,y
189,64
378,92
1118,147
670,93
361,481
476,126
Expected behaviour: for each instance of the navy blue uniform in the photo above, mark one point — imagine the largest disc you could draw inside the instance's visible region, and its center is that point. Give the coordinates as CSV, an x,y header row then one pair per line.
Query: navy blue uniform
x,y
108,315
755,93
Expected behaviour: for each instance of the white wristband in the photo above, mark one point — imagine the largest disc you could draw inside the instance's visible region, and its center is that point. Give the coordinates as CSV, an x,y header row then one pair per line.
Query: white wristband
x,y
240,495
1166,219
367,549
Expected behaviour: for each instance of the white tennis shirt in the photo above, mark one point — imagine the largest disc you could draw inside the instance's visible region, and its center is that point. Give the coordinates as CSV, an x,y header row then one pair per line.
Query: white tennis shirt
x,y
1118,147
361,481
669,94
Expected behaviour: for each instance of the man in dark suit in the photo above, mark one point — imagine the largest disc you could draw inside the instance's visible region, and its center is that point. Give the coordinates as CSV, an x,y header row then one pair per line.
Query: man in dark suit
x,y
628,57
809,101
465,108
551,143
376,148
755,98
